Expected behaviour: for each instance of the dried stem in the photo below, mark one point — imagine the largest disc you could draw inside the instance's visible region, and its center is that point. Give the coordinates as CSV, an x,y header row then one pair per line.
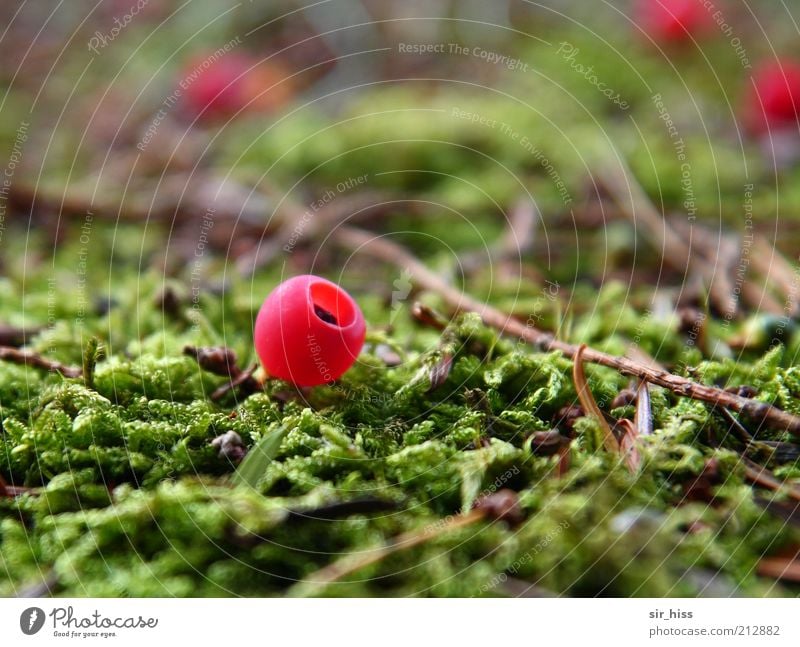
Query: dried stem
x,y
14,336
780,568
762,413
759,475
352,563
588,402
28,358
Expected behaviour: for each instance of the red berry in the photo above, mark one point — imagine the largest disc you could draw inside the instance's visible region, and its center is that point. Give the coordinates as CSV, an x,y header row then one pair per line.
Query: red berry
x,y
219,88
673,21
309,331
775,100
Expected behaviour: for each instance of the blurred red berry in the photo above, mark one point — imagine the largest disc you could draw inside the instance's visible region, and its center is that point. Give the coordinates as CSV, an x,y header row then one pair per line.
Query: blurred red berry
x,y
774,101
673,21
309,331
216,88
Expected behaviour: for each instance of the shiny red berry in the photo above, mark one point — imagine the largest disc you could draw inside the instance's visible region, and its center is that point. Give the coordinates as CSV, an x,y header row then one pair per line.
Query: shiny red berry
x,y
309,331
218,88
774,101
673,21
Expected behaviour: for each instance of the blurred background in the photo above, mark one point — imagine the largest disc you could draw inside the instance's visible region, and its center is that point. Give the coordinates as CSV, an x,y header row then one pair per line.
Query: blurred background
x,y
433,119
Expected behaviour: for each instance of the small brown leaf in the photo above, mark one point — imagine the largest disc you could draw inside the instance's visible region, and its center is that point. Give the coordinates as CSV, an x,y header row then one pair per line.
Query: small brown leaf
x,y
428,316
566,417
701,487
627,445
588,402
546,443
218,360
759,475
440,371
624,398
502,505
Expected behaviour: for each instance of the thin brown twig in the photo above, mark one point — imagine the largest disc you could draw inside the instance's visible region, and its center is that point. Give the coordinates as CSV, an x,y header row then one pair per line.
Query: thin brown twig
x,y
352,563
243,378
780,568
29,358
14,336
359,240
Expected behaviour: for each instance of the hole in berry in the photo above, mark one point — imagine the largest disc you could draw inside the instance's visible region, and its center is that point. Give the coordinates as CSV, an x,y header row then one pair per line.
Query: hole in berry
x,y
332,305
326,316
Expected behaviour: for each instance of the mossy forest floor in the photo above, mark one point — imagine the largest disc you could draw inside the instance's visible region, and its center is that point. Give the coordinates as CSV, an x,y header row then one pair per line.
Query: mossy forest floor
x,y
114,485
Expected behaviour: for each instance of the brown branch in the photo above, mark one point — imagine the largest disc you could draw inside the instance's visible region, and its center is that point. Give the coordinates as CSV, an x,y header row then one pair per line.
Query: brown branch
x,y
28,358
14,336
771,264
780,568
354,562
356,239
244,379
759,475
